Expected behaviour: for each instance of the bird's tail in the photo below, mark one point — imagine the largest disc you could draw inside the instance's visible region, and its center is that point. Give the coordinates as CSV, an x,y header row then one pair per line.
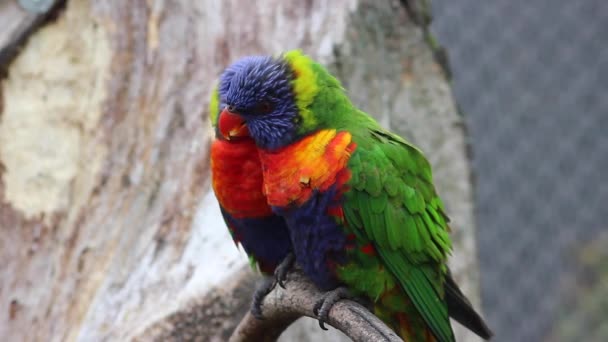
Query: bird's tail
x,y
400,314
408,323
461,310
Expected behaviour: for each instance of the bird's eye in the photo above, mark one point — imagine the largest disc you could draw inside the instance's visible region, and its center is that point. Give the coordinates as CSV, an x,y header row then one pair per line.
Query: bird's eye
x,y
263,107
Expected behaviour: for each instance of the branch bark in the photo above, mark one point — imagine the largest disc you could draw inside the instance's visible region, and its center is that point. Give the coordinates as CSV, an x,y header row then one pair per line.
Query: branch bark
x,y
17,25
283,306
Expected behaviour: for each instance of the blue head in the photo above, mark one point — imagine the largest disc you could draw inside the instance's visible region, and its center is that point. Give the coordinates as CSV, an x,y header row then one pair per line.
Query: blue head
x,y
258,91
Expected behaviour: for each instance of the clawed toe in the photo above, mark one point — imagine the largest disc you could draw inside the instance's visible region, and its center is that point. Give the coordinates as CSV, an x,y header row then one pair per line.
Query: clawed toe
x,y
324,305
268,284
258,297
280,273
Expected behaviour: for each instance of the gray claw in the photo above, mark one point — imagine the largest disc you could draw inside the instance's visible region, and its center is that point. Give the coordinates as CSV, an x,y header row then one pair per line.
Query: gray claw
x,y
280,273
324,305
258,297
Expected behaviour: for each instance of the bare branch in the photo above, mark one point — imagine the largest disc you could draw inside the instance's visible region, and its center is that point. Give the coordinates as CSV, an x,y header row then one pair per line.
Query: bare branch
x,y
283,306
18,25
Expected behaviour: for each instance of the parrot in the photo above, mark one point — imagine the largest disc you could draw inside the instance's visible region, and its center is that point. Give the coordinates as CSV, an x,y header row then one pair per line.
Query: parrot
x,y
359,202
236,178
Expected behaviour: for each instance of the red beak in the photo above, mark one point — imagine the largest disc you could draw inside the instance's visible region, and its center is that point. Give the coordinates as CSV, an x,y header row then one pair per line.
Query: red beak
x,y
232,125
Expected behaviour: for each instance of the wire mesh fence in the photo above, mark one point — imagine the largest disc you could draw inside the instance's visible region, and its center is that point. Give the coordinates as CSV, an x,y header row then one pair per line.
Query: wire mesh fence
x,y
532,80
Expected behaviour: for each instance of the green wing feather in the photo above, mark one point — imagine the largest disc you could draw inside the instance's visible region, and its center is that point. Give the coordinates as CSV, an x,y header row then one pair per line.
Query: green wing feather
x,y
393,202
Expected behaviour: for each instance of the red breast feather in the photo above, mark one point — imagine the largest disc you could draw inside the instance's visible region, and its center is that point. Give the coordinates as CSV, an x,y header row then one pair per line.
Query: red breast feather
x,y
237,178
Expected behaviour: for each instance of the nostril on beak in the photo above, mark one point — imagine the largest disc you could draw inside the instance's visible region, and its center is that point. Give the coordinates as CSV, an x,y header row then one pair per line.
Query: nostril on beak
x,y
231,108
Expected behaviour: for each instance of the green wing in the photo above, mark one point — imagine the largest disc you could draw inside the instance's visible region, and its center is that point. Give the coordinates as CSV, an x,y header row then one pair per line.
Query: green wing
x,y
393,202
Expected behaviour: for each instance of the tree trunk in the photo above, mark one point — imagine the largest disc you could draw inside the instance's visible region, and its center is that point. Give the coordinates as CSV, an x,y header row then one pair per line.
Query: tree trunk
x,y
108,228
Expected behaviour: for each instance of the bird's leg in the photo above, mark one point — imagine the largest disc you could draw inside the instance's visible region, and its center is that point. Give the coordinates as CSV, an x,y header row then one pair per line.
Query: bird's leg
x,y
260,293
268,284
323,305
280,273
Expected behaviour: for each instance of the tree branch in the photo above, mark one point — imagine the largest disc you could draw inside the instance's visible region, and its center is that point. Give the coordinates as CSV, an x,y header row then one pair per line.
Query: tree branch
x,y
283,306
18,25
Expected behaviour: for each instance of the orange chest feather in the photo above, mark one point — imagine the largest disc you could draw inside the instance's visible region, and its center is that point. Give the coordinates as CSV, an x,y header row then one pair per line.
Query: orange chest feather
x,y
237,178
314,163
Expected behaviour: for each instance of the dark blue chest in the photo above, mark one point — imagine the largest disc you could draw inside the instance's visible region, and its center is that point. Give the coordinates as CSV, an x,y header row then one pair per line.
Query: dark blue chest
x,y
318,240
266,239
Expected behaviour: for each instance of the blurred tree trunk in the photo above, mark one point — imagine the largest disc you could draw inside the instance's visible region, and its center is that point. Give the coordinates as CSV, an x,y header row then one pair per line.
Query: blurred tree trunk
x,y
108,230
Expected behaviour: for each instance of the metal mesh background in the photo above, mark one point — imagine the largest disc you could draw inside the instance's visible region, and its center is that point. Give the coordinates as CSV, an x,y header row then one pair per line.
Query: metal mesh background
x,y
532,80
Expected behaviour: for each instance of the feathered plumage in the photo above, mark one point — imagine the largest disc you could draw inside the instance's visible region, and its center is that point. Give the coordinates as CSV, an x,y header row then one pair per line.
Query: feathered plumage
x,y
237,181
359,201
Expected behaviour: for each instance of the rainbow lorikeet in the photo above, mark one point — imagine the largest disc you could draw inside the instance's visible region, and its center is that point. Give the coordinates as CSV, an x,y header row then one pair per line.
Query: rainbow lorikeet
x,y
359,201
237,182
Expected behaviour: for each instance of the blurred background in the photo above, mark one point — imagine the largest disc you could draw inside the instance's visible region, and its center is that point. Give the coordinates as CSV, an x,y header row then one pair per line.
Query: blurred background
x,y
531,79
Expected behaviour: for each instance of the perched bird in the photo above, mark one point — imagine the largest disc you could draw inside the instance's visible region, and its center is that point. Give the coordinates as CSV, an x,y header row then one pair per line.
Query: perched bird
x,y
359,201
237,182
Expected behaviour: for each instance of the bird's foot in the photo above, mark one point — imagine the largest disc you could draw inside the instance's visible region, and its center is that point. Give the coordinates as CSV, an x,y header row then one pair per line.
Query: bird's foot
x,y
324,305
268,284
260,293
280,273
